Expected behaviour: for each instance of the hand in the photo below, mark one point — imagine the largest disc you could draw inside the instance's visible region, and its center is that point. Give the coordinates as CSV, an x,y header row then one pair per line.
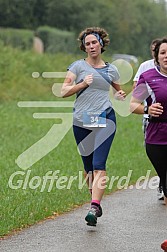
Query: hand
x,y
120,95
155,109
88,79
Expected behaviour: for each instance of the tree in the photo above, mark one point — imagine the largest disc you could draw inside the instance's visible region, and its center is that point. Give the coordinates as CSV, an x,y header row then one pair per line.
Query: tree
x,y
131,24
23,14
74,15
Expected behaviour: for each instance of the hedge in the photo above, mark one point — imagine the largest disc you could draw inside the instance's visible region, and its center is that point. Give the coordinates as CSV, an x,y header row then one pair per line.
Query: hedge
x,y
56,40
20,38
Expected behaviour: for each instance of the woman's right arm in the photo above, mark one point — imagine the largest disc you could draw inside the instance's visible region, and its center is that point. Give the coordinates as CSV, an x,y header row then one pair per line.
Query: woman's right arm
x,y
69,88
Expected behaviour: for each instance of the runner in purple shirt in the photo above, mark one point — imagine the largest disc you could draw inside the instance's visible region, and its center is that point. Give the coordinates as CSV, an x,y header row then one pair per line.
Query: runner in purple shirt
x,y
152,86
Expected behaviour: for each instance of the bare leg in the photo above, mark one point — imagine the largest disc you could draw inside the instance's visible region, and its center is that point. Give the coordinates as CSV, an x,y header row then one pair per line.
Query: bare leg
x,y
165,200
99,184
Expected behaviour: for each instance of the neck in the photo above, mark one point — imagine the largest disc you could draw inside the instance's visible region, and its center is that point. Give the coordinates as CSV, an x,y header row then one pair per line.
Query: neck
x,y
163,71
95,62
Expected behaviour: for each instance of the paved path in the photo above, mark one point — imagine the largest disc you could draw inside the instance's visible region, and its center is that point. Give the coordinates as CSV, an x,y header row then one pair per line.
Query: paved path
x,y
133,221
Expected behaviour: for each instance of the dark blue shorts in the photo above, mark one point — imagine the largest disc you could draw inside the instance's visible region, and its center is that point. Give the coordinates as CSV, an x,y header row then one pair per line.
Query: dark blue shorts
x,y
94,143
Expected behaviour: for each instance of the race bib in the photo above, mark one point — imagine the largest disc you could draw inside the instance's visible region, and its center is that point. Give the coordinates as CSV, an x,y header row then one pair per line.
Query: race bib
x,y
94,119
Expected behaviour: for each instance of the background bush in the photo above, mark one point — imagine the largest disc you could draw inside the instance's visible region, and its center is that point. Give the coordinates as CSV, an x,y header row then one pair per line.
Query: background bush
x,y
21,38
56,40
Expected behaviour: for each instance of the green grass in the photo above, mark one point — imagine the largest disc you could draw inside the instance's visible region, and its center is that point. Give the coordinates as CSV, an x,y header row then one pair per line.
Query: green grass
x,y
25,206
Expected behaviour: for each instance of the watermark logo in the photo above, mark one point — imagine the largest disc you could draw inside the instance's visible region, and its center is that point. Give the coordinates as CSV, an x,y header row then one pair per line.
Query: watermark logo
x,y
54,180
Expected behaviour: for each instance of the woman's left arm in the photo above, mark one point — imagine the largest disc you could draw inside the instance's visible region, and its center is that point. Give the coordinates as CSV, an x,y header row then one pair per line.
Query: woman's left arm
x,y
118,92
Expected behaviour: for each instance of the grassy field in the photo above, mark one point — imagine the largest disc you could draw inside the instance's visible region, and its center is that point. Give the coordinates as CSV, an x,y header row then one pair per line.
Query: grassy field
x,y
24,197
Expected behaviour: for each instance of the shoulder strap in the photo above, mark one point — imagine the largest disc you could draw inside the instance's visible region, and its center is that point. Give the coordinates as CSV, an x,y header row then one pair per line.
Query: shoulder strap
x,y
82,90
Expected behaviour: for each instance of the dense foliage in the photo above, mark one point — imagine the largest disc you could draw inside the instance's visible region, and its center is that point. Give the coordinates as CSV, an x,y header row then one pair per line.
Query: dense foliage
x,y
20,38
56,40
132,24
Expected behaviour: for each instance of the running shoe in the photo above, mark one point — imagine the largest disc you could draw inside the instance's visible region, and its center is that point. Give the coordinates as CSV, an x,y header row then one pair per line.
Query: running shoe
x,y
93,214
160,193
99,212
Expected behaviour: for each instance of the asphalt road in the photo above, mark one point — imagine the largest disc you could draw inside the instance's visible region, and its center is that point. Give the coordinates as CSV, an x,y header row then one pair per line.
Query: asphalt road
x,y
133,220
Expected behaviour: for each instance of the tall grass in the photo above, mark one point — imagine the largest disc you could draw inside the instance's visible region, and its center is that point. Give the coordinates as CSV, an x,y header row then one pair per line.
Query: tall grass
x,y
24,206
16,68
